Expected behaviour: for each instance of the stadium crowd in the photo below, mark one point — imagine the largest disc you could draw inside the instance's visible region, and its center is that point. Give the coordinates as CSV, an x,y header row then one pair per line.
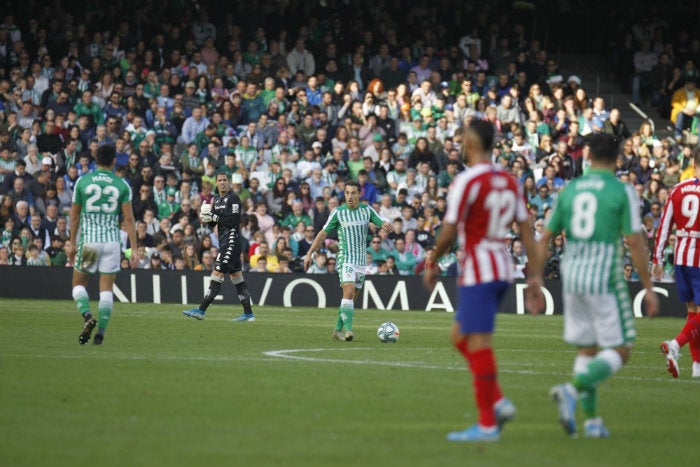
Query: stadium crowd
x,y
291,99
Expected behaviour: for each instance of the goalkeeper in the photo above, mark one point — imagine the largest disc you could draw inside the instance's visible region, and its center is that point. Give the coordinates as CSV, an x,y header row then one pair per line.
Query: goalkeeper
x,y
225,214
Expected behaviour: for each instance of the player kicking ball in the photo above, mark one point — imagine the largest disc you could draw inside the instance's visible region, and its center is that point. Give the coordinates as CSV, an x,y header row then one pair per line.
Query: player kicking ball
x,y
352,223
225,214
595,210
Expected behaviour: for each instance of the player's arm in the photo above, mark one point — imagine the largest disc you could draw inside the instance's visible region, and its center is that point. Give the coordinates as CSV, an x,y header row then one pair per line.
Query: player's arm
x,y
331,224
75,209
377,220
130,226
318,241
446,238
632,229
640,260
661,239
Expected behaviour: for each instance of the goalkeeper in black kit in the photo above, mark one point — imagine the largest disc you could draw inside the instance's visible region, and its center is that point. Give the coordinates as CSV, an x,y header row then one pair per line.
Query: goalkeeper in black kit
x,y
225,213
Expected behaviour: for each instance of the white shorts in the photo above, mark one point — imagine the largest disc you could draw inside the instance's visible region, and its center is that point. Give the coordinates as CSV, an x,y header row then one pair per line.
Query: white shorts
x,y
604,321
352,273
103,257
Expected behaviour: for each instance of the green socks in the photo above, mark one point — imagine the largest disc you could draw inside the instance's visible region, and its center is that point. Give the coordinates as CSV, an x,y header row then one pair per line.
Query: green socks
x,y
596,371
345,314
81,299
588,372
105,306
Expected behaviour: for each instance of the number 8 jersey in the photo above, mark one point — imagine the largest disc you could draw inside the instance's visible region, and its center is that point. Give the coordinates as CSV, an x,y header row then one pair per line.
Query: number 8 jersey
x,y
594,210
483,202
101,194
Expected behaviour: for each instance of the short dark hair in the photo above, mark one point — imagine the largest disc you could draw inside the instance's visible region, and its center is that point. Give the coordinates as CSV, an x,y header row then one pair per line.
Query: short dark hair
x,y
353,183
484,131
106,155
604,147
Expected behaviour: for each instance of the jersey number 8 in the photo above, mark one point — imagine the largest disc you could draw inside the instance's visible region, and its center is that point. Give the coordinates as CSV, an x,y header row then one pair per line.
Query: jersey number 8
x,y
584,210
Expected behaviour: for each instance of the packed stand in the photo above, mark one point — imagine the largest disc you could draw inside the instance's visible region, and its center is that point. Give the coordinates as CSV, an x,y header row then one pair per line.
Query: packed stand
x,y
290,115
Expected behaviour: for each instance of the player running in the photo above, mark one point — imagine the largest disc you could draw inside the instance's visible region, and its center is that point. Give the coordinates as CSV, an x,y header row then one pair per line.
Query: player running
x,y
98,200
595,210
352,222
225,213
482,204
682,209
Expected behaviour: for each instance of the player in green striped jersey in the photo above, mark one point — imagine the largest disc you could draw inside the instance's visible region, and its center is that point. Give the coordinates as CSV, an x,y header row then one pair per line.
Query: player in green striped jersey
x,y
98,200
352,222
595,211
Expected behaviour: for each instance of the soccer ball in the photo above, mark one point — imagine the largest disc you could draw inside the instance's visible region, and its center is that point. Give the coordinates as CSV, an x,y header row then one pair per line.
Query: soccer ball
x,y
388,332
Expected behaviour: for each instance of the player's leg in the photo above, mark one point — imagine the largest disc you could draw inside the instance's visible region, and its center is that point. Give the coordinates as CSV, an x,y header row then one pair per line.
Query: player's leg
x,y
694,344
243,296
105,306
578,331
85,266
472,336
109,256
614,328
688,285
217,278
346,310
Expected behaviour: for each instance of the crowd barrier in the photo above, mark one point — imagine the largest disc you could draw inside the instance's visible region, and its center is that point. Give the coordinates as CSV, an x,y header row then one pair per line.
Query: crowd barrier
x,y
292,290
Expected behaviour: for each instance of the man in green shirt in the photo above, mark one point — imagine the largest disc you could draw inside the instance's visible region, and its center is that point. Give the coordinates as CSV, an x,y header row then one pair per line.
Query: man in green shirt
x,y
595,211
297,215
99,198
352,223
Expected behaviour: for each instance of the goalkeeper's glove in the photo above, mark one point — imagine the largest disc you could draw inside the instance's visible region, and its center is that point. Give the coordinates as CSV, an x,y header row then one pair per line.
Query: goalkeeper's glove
x,y
206,215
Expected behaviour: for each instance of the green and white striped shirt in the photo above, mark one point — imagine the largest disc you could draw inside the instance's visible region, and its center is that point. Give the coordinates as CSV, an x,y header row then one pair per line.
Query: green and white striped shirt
x,y
100,195
352,226
246,156
595,211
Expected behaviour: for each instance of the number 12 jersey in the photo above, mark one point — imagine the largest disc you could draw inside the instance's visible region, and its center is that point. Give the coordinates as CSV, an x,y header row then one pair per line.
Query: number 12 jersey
x,y
483,202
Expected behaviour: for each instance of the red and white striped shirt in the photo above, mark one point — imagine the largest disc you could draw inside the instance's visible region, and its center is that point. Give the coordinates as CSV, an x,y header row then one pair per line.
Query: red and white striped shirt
x,y
682,210
483,202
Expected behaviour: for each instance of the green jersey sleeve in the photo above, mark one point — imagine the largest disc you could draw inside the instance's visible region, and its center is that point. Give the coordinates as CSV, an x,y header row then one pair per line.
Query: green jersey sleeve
x,y
375,218
332,222
78,192
631,220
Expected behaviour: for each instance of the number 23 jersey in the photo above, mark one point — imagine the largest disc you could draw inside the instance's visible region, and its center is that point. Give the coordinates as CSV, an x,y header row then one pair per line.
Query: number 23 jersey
x,y
101,194
595,211
483,202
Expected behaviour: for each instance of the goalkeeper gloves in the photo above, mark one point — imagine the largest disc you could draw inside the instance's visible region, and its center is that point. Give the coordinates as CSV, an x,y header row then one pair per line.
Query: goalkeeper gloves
x,y
206,215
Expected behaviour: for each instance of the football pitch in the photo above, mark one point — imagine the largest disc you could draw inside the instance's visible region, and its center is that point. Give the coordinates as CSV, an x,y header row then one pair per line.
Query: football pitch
x,y
165,390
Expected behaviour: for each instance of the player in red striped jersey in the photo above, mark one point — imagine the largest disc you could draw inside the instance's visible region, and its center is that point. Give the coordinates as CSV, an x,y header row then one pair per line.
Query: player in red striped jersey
x,y
683,210
483,202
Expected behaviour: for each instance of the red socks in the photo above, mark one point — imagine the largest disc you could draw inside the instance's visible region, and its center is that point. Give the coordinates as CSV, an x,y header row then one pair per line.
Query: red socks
x,y
690,333
486,390
694,342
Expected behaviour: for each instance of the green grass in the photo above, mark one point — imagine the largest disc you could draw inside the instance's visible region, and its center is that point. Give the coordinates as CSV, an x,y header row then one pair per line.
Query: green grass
x,y
171,391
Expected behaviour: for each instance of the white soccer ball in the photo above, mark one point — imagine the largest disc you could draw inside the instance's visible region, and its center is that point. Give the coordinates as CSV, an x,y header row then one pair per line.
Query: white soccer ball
x,y
388,332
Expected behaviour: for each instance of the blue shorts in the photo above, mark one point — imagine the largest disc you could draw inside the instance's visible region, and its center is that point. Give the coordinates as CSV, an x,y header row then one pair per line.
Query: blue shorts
x,y
477,306
688,283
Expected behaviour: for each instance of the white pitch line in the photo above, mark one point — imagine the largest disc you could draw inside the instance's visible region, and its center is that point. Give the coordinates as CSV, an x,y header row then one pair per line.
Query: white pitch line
x,y
289,354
